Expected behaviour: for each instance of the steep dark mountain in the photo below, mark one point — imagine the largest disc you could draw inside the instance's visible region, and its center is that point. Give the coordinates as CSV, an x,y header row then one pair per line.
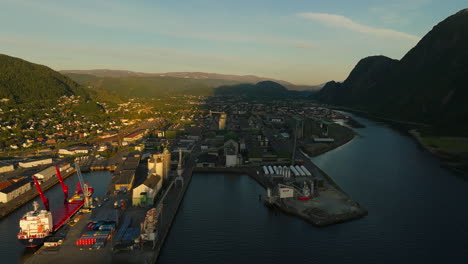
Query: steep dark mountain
x,y
261,89
23,81
361,87
429,84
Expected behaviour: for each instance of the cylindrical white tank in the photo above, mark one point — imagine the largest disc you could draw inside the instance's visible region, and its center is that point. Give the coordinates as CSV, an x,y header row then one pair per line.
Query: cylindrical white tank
x,y
270,169
307,172
159,168
294,171
300,170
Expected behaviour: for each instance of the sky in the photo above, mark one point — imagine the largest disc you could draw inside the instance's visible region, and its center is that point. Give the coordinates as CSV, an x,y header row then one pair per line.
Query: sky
x,y
301,41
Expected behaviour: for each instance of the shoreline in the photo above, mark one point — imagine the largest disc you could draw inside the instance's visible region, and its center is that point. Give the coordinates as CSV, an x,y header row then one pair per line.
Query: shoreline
x,y
448,161
328,149
348,134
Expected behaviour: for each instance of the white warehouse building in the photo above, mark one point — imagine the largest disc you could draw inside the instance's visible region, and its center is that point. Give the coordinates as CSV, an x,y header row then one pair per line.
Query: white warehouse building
x,y
16,189
35,163
144,193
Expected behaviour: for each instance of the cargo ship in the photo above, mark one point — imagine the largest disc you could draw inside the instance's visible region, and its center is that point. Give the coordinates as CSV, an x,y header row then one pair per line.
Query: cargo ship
x,y
36,225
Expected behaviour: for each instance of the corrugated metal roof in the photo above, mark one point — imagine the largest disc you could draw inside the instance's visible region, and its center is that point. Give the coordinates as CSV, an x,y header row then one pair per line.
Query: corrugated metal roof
x,y
4,184
47,173
152,181
125,177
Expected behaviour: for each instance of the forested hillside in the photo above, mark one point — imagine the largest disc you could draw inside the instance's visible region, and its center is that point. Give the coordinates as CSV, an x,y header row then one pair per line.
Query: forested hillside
x,y
23,81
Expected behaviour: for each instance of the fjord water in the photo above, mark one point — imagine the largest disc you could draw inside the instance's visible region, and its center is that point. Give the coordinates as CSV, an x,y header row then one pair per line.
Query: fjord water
x,y
418,212
12,251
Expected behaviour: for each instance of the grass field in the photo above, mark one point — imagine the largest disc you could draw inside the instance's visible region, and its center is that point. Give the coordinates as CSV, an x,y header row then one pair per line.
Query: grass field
x,y
447,144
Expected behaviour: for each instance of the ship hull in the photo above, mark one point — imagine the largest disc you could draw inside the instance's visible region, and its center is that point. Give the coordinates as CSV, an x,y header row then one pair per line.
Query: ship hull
x,y
32,242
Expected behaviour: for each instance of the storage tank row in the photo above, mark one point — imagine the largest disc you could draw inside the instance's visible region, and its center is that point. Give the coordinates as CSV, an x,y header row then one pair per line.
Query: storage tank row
x,y
277,171
286,172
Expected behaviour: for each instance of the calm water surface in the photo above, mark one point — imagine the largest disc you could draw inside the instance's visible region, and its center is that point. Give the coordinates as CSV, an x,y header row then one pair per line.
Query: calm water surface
x,y
11,251
418,212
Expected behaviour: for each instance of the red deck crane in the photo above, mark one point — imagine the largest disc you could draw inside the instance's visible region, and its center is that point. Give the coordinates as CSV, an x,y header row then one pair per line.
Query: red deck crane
x,y
44,199
64,187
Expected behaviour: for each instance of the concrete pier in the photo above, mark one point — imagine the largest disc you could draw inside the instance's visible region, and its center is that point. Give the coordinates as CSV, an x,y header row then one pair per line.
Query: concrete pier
x,y
333,206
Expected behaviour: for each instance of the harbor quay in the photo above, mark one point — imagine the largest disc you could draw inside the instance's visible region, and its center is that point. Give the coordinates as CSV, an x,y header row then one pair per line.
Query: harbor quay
x,y
126,217
9,207
328,206
130,223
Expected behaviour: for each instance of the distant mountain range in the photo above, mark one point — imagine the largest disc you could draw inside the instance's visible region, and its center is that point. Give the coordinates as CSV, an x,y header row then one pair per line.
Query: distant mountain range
x,y
429,84
190,75
23,81
268,89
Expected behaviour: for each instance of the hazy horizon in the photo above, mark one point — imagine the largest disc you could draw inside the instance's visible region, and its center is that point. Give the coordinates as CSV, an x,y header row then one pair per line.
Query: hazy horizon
x,y
310,42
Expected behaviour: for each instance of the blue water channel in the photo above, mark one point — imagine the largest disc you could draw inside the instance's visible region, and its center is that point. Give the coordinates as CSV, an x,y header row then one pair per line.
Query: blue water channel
x,y
11,251
418,212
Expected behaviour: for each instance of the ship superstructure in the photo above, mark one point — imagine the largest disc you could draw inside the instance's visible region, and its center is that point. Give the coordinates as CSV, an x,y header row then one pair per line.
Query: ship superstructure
x,y
35,226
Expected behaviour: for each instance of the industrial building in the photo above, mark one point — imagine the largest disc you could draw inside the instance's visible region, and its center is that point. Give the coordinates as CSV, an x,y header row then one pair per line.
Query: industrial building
x,y
50,172
76,150
160,164
35,163
206,160
232,159
125,180
222,121
125,175
5,167
231,152
5,184
134,136
14,190
143,194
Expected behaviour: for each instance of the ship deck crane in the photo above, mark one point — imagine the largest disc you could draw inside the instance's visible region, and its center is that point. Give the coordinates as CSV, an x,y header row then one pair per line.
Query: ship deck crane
x,y
64,187
44,199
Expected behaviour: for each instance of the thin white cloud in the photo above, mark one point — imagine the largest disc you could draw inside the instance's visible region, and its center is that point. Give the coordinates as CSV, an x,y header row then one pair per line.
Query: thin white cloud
x,y
154,21
347,23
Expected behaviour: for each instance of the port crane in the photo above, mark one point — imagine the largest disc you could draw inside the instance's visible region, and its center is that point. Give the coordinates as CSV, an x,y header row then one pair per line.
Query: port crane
x,y
85,189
